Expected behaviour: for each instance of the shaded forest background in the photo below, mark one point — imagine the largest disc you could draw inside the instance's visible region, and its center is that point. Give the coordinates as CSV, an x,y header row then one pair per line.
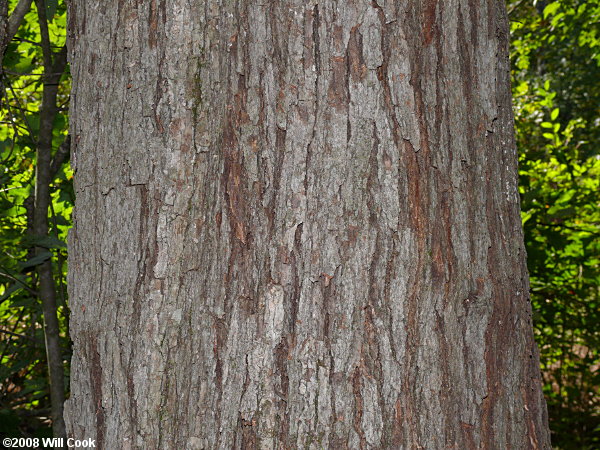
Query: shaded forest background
x,y
555,52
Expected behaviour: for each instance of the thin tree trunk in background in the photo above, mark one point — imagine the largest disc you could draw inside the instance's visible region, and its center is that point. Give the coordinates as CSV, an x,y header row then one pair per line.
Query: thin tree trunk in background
x,y
54,66
297,226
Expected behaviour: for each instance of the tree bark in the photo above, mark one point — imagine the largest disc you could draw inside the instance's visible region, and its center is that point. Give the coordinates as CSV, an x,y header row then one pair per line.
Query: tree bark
x,y
297,226
3,32
3,43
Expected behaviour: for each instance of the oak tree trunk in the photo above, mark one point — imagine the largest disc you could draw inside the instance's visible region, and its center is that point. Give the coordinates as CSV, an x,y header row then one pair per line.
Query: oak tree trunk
x,y
297,226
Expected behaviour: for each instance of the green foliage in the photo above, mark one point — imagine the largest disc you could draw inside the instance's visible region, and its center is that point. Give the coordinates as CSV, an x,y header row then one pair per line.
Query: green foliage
x,y
24,397
556,68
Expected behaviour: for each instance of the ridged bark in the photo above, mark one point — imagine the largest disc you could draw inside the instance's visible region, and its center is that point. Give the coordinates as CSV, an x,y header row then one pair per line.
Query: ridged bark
x,y
297,226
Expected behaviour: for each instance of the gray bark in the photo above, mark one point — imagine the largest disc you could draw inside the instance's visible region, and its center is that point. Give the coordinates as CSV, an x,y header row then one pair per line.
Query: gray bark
x,y
297,226
9,27
14,22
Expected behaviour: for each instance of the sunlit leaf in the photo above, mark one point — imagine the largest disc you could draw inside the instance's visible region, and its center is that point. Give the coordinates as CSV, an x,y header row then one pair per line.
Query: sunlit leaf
x,y
551,8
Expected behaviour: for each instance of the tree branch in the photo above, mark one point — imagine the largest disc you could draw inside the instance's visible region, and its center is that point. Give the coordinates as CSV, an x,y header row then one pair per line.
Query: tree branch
x,y
568,227
14,22
45,35
60,156
10,333
16,280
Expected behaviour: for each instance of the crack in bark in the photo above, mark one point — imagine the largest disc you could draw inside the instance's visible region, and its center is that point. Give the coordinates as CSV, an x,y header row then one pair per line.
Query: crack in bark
x,y
96,385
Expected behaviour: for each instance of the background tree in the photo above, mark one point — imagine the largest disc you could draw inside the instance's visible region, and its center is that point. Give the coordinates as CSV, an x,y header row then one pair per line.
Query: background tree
x,y
297,224
556,68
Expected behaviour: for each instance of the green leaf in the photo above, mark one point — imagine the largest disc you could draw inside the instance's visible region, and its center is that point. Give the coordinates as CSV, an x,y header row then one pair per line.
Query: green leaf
x,y
561,213
548,135
546,125
36,260
522,88
554,114
557,18
44,241
28,301
551,8
567,196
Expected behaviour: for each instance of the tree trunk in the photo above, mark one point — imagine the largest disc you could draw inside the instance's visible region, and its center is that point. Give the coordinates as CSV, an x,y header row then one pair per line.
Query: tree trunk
x,y
297,226
3,36
54,67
